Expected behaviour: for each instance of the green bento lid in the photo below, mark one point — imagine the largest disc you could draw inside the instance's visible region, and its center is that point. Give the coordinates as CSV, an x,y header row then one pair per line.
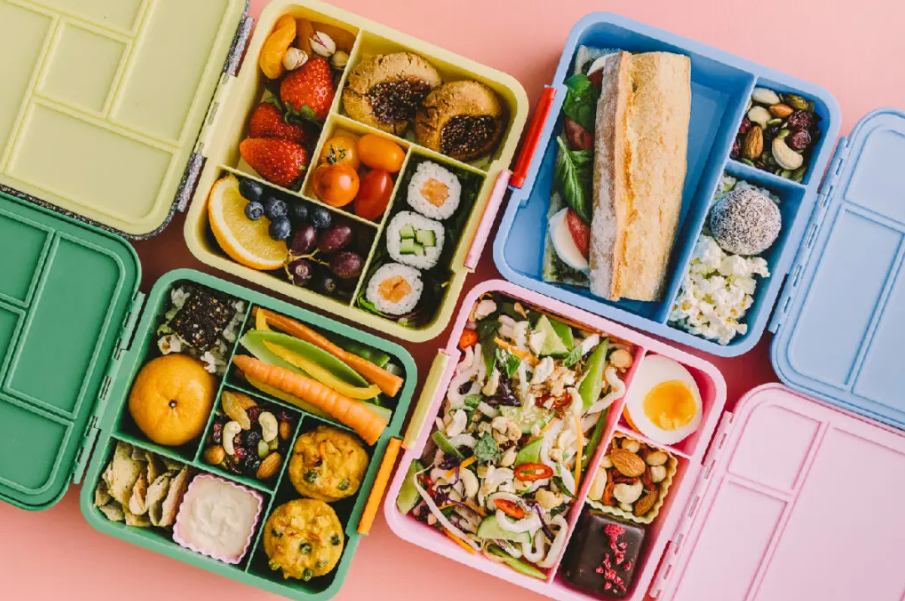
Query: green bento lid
x,y
66,290
102,101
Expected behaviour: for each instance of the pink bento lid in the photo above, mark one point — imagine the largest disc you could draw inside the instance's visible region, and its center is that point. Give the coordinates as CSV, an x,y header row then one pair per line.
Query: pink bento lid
x,y
801,504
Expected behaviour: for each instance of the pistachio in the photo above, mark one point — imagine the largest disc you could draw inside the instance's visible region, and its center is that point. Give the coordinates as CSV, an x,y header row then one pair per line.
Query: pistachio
x,y
796,102
294,59
765,96
263,449
322,44
785,156
339,60
759,115
754,143
781,110
774,122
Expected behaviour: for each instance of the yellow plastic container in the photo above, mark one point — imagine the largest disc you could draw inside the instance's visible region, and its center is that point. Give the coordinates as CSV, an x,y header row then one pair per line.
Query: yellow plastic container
x,y
226,127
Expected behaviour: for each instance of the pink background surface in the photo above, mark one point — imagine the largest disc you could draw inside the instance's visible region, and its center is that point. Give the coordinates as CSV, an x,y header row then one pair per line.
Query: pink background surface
x,y
851,48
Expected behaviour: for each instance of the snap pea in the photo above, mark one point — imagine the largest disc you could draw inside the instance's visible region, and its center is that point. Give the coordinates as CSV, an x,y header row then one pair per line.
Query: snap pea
x,y
516,564
444,445
592,384
596,437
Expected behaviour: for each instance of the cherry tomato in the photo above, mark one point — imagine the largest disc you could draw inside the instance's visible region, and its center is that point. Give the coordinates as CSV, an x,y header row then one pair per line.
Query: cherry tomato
x,y
378,152
341,150
374,195
336,185
529,472
510,508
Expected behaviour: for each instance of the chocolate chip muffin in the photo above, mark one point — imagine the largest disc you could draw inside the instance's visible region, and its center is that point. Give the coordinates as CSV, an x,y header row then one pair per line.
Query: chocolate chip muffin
x,y
461,119
385,91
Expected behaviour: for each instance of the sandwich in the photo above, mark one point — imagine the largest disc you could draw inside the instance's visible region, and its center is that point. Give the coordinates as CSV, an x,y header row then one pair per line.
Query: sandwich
x,y
620,174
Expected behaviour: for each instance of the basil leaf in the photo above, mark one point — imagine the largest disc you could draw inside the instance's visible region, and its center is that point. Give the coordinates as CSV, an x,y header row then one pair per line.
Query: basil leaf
x,y
573,357
487,449
487,330
580,104
473,400
508,362
574,178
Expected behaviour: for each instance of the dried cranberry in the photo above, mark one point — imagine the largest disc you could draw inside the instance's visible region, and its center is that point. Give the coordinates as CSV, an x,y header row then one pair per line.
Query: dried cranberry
x,y
802,120
736,147
285,416
799,139
217,433
253,413
238,449
745,126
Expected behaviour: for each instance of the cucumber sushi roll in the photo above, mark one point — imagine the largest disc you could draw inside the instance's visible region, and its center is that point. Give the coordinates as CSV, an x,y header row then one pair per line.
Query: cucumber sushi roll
x,y
415,240
434,191
395,289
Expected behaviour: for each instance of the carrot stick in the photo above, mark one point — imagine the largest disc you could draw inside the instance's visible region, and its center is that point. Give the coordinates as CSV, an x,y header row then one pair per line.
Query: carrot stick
x,y
342,408
380,486
389,383
459,541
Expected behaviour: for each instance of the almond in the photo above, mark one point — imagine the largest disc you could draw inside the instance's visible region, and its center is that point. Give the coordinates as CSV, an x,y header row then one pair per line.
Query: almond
x,y
285,430
781,110
214,455
627,463
269,467
754,143
646,503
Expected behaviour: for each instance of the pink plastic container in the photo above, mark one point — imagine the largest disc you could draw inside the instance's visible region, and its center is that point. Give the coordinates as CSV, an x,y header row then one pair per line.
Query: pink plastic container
x,y
690,452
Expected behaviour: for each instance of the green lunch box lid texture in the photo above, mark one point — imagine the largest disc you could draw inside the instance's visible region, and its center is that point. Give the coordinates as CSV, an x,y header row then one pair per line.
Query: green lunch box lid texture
x,y
66,290
102,102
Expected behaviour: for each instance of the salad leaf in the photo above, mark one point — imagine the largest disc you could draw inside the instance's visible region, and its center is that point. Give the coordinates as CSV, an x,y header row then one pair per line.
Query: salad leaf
x,y
573,357
487,449
472,401
580,104
487,330
574,178
508,362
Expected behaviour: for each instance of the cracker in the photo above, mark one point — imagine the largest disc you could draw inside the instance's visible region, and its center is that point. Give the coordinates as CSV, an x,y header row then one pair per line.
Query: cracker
x,y
157,493
139,521
113,511
125,473
174,497
101,494
138,501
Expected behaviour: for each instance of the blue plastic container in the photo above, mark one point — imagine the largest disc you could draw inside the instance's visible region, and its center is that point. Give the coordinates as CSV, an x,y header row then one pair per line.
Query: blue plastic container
x,y
721,85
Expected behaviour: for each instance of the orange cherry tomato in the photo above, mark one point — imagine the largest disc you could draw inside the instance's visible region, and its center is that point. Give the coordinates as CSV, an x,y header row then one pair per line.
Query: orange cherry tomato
x,y
468,339
374,194
341,150
529,472
378,152
336,185
510,508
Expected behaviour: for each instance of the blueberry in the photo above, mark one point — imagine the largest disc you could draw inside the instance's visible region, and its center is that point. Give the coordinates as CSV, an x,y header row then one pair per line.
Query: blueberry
x,y
254,210
320,217
275,208
298,211
280,228
251,190
252,437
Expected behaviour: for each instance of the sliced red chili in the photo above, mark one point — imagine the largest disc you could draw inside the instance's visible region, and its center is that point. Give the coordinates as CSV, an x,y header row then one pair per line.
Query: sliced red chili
x,y
510,508
563,400
529,472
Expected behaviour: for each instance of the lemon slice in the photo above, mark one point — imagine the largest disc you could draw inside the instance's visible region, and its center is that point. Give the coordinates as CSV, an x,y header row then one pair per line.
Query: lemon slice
x,y
245,241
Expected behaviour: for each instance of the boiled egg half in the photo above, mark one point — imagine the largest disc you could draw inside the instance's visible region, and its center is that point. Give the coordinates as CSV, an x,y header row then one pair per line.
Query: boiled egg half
x,y
663,401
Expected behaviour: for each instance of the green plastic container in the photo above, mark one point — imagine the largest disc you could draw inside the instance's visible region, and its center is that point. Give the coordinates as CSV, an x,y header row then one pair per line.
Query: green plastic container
x,y
74,331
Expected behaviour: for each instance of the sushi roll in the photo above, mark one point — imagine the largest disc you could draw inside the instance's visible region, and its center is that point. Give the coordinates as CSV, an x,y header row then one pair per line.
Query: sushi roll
x,y
415,240
395,289
434,191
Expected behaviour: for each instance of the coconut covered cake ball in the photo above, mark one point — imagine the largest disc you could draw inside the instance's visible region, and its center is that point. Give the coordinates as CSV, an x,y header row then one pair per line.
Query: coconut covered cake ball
x,y
745,222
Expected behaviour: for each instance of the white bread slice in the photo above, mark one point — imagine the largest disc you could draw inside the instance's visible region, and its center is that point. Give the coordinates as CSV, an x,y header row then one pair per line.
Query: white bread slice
x,y
639,172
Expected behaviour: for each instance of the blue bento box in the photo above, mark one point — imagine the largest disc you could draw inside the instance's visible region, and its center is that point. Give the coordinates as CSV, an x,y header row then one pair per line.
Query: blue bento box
x,y
721,86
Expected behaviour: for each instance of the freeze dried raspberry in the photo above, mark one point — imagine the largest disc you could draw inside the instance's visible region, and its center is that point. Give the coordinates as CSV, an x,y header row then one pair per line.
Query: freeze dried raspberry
x,y
799,140
745,126
802,120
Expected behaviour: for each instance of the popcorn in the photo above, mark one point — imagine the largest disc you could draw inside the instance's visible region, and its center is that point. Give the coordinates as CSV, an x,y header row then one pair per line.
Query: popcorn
x,y
717,292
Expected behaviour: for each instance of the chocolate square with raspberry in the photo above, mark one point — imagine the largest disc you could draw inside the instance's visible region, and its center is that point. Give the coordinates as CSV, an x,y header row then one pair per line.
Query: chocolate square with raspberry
x,y
603,554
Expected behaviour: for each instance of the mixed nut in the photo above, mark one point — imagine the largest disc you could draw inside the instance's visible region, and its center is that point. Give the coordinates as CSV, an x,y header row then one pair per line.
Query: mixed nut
x,y
777,134
632,478
247,439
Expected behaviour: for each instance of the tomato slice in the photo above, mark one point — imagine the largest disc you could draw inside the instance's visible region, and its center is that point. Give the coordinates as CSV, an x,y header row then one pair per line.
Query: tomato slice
x,y
581,232
374,194
510,508
529,472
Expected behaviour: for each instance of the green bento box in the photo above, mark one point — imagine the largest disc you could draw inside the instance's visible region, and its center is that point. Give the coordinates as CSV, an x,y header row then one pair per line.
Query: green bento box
x,y
75,331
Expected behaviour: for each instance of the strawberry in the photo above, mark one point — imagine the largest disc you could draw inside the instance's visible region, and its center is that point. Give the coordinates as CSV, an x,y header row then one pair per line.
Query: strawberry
x,y
267,122
309,91
580,231
278,161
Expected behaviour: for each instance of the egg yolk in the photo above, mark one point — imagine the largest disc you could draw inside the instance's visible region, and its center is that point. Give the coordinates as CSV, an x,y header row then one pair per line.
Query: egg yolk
x,y
670,405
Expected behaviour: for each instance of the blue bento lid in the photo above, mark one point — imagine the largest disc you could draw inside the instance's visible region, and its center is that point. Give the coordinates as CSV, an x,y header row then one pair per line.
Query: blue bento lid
x,y
840,323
